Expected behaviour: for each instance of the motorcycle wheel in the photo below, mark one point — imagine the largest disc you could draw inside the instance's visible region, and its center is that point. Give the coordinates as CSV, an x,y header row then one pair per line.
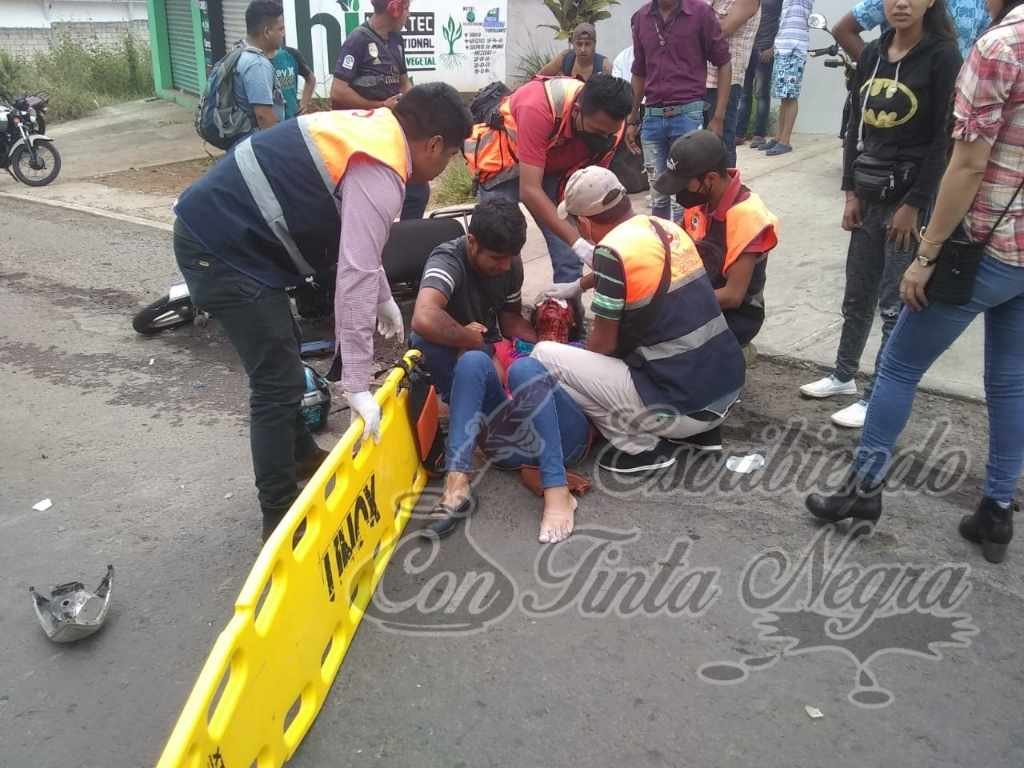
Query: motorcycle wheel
x,y
163,315
48,158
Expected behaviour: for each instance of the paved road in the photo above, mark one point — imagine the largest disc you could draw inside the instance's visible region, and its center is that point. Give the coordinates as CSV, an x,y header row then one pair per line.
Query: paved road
x,y
139,459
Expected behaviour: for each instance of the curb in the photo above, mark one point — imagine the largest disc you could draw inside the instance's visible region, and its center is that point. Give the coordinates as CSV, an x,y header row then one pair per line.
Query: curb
x,y
128,218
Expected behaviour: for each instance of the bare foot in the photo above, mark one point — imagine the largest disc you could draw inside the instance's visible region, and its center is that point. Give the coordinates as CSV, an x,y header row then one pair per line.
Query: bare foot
x,y
559,512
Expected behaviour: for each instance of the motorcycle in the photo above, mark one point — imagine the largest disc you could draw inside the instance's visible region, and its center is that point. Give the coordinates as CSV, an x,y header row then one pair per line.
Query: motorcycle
x,y
405,252
26,151
837,58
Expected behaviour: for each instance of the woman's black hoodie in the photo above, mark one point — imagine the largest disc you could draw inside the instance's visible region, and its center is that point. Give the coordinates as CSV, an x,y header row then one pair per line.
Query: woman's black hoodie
x,y
906,113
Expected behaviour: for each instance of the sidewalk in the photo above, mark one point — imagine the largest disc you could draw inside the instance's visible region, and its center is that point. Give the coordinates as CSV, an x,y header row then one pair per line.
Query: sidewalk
x,y
806,272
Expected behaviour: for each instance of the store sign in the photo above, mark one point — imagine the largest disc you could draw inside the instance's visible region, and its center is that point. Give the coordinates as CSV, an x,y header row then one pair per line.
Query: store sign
x,y
454,41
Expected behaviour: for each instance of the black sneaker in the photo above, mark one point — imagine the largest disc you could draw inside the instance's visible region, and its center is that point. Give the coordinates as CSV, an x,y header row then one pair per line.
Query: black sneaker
x,y
710,441
620,462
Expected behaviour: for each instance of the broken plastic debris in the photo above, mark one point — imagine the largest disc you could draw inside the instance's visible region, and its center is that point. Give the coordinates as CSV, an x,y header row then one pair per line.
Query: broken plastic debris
x,y
42,506
228,495
813,712
745,464
72,612
152,360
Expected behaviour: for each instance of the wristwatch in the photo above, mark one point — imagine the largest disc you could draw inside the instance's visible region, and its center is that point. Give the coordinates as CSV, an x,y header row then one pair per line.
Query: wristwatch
x,y
924,261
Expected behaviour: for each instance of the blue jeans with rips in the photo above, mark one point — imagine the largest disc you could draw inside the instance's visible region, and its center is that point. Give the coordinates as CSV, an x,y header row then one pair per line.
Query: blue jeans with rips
x,y
565,265
656,136
917,341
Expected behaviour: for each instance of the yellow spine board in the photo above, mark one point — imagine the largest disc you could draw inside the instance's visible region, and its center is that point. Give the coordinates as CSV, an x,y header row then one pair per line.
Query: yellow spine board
x,y
270,670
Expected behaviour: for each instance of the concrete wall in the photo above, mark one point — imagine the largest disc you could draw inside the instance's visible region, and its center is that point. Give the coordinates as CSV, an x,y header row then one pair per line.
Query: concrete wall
x,y
821,103
29,26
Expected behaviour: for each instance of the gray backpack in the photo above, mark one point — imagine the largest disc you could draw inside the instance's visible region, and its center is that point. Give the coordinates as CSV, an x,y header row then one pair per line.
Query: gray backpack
x,y
219,119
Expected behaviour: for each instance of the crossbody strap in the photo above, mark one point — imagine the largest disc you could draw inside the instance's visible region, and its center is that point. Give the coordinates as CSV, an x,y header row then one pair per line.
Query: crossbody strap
x,y
1002,215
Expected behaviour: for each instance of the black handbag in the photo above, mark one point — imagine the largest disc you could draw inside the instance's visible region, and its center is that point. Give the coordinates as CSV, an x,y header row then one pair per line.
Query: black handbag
x,y
956,268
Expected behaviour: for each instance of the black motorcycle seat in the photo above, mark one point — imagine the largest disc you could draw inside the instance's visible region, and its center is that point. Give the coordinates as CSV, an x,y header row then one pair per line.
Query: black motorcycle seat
x,y
410,244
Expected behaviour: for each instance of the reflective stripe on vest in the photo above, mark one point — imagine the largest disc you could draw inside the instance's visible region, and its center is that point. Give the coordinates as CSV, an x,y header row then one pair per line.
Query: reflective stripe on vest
x,y
269,207
332,140
643,258
695,339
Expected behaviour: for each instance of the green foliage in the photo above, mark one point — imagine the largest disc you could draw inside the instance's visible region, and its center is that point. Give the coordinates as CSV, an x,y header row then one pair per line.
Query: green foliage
x,y
569,13
452,34
454,186
80,78
531,62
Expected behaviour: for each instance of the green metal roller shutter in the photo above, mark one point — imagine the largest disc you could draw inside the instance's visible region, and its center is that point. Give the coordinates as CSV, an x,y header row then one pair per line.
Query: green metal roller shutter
x,y
182,44
234,21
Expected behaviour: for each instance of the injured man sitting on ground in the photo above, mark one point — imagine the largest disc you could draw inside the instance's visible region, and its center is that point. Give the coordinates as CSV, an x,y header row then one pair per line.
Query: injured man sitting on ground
x,y
661,369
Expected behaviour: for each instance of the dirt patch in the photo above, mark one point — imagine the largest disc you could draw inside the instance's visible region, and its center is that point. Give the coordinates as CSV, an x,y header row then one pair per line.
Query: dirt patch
x,y
169,179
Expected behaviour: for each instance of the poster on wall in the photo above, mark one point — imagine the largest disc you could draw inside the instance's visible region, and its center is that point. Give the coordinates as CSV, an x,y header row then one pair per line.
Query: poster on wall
x,y
458,42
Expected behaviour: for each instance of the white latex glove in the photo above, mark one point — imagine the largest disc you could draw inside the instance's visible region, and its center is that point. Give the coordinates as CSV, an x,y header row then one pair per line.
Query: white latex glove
x,y
564,291
584,251
389,319
363,404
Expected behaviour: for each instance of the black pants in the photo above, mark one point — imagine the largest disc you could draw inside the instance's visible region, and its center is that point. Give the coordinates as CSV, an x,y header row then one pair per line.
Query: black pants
x,y
258,321
874,268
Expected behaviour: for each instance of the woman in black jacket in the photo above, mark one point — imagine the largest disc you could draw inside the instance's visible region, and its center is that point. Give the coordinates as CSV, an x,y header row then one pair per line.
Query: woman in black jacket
x,y
894,155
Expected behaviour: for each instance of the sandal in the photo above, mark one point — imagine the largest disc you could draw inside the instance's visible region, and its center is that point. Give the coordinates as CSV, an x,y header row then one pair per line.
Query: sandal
x,y
447,519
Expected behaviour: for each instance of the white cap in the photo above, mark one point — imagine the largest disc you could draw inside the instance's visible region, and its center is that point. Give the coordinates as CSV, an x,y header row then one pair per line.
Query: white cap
x,y
590,191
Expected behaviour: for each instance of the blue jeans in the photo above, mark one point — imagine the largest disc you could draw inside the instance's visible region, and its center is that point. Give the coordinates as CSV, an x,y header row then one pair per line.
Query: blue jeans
x,y
539,425
416,198
729,128
439,361
757,85
919,338
565,265
656,137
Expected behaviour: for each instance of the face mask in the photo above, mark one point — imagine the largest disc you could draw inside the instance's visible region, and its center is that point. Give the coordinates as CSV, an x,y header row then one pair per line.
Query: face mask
x,y
596,143
689,199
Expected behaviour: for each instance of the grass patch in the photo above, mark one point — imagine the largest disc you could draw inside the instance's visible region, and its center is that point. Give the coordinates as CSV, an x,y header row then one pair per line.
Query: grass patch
x,y
80,77
454,186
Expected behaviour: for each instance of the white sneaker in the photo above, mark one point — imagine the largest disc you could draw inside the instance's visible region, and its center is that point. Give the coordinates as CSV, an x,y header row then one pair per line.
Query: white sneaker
x,y
851,416
829,386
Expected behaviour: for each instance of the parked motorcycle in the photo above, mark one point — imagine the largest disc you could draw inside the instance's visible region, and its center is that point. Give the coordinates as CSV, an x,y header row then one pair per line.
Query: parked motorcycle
x,y
837,58
26,151
406,251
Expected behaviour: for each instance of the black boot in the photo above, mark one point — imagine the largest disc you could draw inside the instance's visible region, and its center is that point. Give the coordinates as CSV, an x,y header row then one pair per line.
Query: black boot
x,y
856,500
992,527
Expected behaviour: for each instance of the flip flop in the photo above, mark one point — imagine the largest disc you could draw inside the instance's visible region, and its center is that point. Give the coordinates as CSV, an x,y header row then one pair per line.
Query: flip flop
x,y
442,527
778,148
768,144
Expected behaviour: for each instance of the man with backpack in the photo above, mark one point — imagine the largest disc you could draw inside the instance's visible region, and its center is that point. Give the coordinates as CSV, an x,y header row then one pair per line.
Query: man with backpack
x,y
242,94
371,73
526,149
263,218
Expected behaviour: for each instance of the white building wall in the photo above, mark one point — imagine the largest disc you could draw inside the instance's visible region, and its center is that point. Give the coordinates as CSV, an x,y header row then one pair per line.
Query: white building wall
x,y
821,103
28,26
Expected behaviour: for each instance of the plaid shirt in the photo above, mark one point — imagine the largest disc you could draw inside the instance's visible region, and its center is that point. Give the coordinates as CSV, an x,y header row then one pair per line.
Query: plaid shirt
x,y
741,42
990,105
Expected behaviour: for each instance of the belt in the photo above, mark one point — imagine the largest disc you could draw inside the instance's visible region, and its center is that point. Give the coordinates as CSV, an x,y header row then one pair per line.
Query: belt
x,y
669,111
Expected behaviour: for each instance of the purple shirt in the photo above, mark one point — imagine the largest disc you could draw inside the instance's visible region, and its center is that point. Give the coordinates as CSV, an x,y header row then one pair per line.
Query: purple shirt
x,y
673,56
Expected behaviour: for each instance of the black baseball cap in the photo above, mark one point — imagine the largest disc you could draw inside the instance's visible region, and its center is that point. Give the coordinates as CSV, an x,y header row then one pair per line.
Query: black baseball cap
x,y
691,155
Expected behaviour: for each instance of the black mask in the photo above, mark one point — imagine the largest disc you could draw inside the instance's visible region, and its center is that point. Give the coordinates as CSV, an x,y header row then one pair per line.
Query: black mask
x,y
597,143
689,199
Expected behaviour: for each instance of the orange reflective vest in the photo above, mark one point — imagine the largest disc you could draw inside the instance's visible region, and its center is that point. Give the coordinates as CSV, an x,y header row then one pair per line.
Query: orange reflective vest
x,y
270,202
491,152
672,334
744,222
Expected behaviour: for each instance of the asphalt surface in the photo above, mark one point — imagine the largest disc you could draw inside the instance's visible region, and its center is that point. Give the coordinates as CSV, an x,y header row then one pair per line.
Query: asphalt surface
x,y
142,446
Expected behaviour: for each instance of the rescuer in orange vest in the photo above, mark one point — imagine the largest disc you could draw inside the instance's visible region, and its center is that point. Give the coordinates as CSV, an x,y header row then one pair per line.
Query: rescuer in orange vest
x,y
541,133
263,218
731,226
